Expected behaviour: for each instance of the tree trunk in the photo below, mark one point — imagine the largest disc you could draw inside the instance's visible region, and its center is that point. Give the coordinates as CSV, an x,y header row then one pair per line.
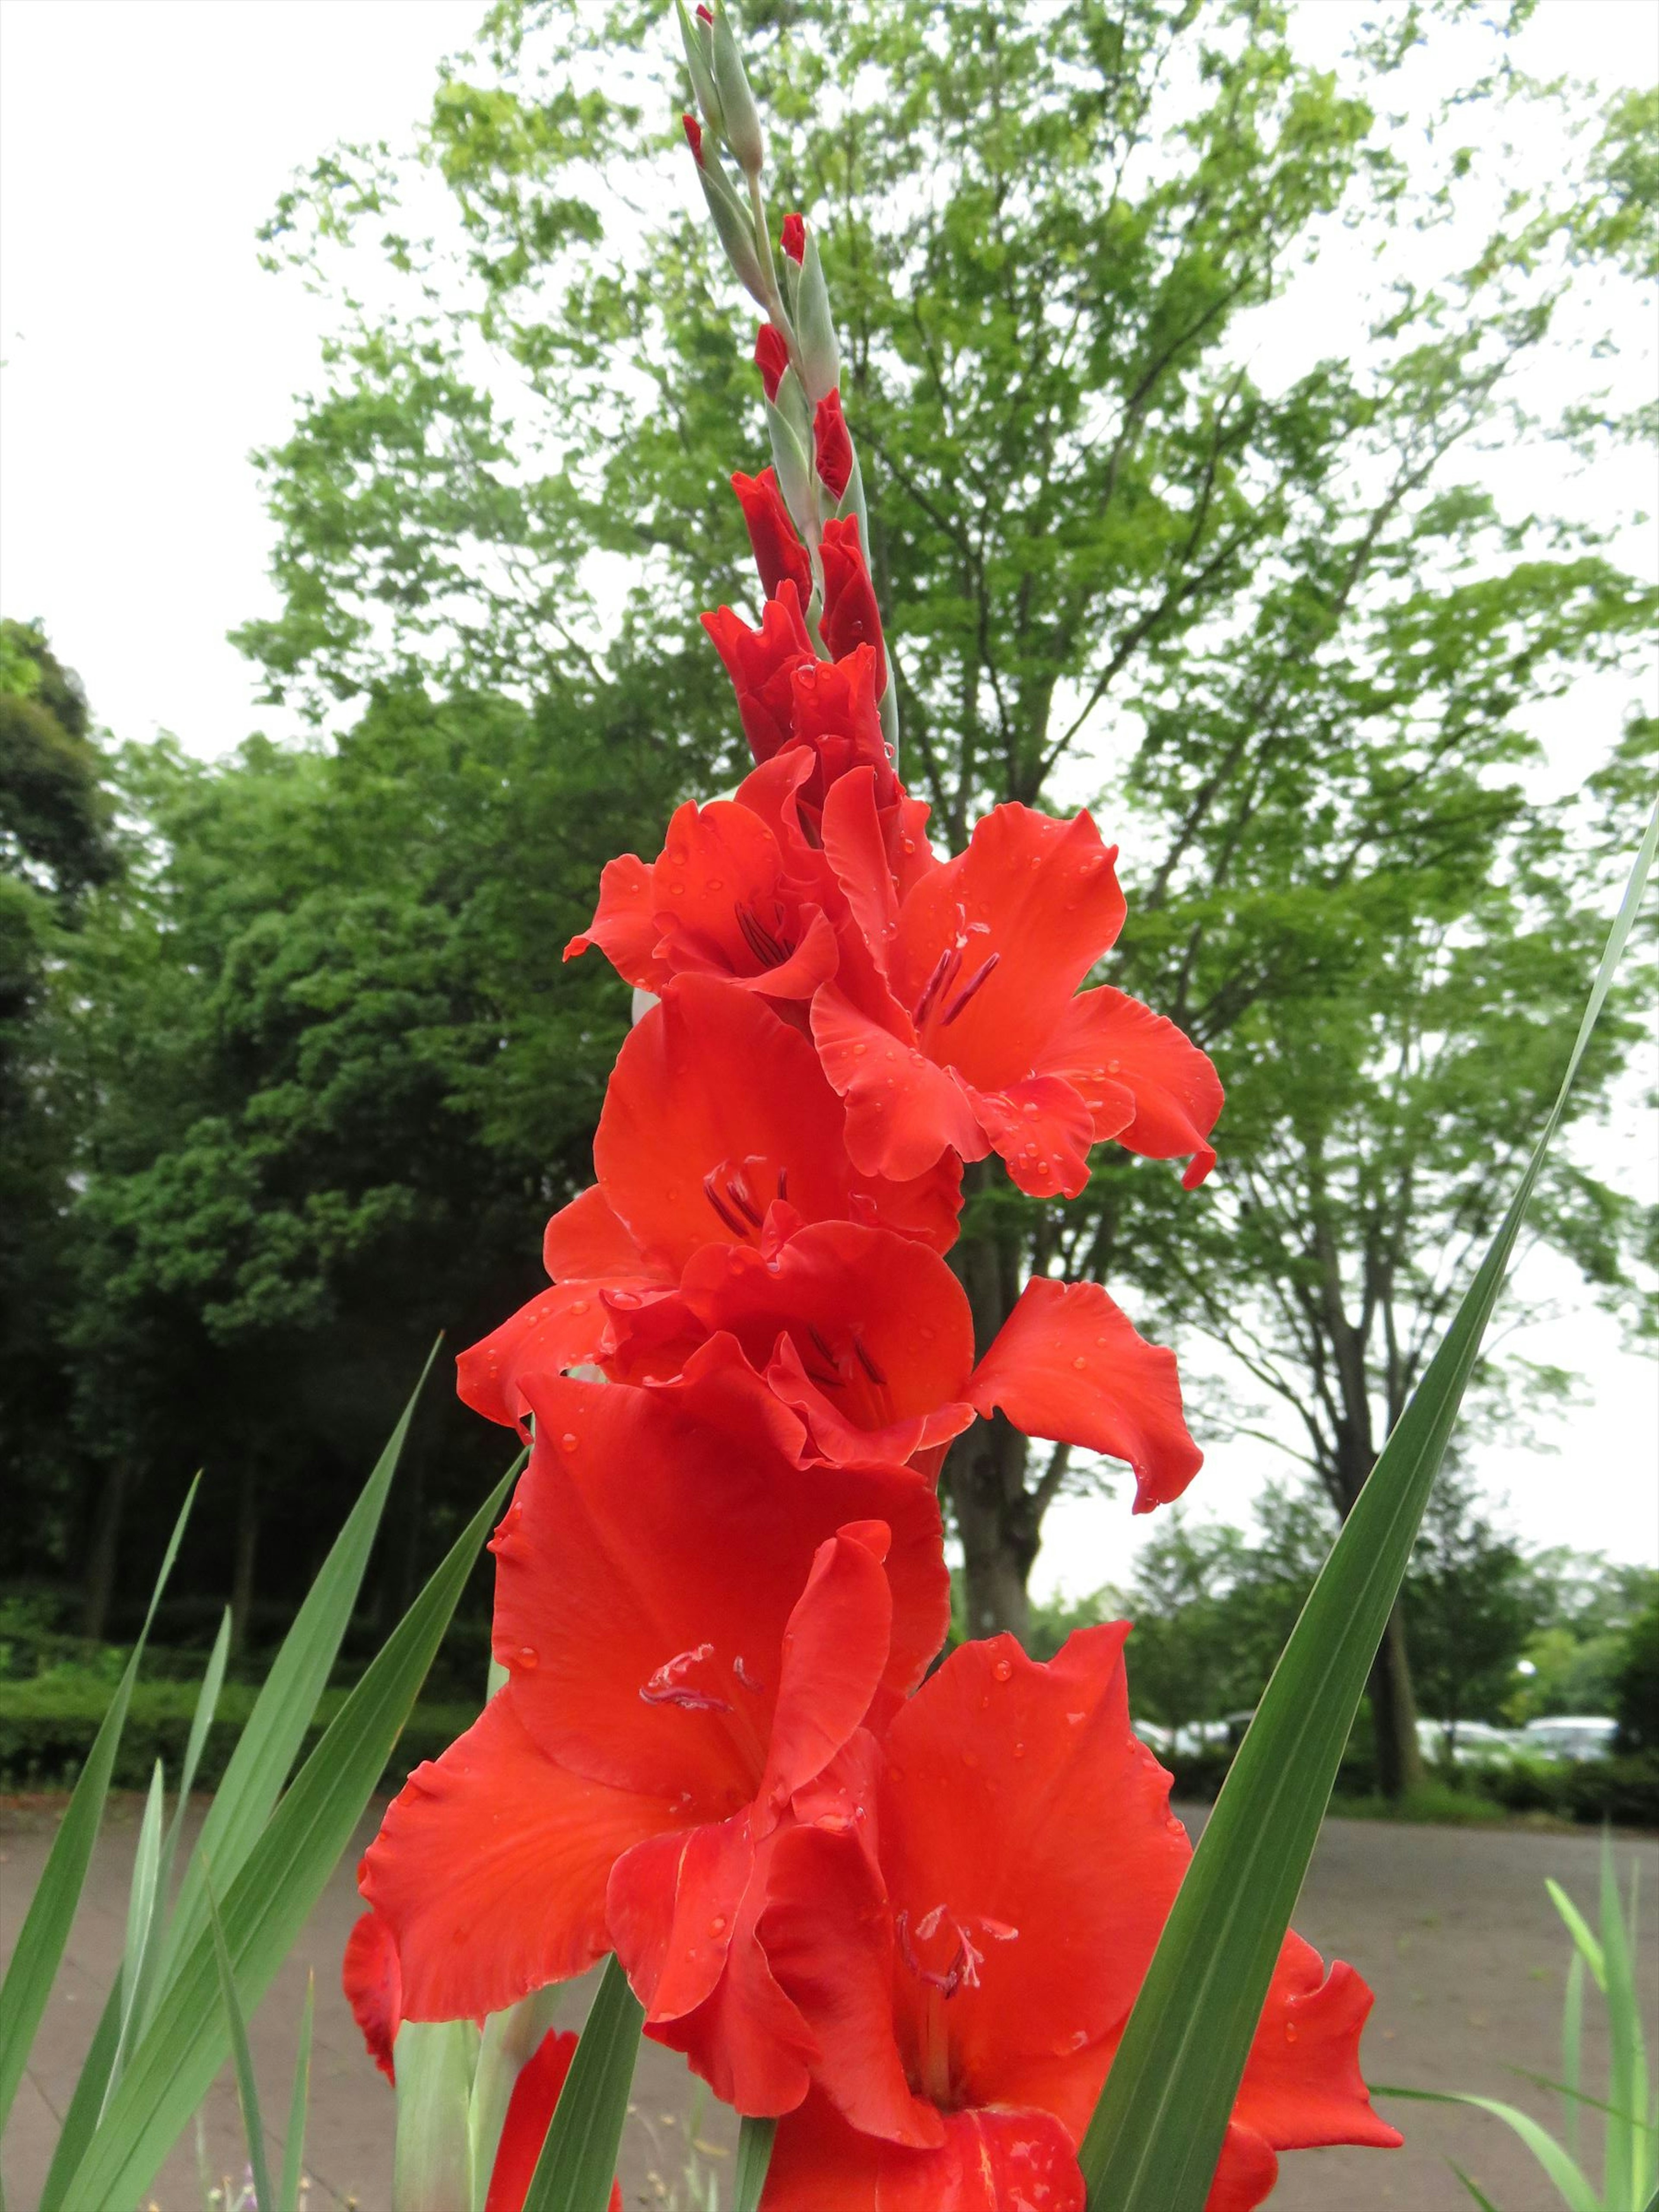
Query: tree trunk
x,y
1394,1714
243,1554
103,1552
986,1474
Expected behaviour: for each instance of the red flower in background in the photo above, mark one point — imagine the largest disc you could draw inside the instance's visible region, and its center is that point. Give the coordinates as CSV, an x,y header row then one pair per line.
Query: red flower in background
x,y
851,617
771,357
693,137
832,447
694,1629
794,238
968,1976
373,1988
778,551
966,1033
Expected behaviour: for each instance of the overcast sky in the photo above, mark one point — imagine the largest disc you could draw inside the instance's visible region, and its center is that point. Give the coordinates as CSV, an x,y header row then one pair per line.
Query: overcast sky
x,y
145,354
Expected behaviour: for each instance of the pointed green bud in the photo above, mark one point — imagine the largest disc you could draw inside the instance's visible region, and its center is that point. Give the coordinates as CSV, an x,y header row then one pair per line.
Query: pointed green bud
x,y
736,232
791,402
815,327
793,469
742,127
693,39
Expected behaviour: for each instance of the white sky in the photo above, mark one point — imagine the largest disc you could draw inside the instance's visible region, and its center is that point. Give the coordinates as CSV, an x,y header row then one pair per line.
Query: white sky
x,y
145,353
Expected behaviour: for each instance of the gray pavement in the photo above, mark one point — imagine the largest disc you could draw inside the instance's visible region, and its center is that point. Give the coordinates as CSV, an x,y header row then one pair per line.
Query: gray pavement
x,y
1451,1927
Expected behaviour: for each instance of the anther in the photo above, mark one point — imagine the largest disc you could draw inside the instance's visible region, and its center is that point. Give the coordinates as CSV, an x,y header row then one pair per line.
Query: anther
x,y
967,992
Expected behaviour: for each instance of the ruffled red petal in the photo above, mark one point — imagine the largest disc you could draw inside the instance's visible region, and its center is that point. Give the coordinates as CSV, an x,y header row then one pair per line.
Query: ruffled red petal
x,y
778,551
1067,1363
373,1982
851,617
1146,1084
989,2162
759,663
490,1867
903,1110
624,925
560,1328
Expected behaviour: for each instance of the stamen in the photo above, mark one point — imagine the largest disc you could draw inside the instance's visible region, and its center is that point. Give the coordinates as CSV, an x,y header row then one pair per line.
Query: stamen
x,y
948,963
731,1220
667,1687
820,1346
757,1689
867,1363
766,948
783,1182
967,992
737,1191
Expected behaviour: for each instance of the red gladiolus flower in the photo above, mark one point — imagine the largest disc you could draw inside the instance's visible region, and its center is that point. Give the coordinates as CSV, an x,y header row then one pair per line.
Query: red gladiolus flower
x,y
970,1037
694,1630
720,900
967,1979
851,617
760,663
794,238
778,551
771,357
831,445
868,1337
717,1122
693,137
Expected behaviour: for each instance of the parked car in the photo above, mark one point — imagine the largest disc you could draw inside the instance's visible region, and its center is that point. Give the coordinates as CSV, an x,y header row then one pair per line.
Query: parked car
x,y
1468,1743
1571,1735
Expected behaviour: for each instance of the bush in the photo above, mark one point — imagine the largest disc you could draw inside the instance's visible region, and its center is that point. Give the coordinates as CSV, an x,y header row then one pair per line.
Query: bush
x,y
47,1725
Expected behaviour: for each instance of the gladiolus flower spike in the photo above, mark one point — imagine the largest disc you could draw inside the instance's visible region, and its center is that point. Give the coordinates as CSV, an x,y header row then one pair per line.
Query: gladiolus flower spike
x,y
904,1913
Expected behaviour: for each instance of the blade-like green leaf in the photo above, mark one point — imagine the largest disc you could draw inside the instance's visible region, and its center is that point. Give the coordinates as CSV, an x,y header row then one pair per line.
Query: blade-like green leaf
x,y
293,2150
265,1909
1572,2183
1579,1929
754,2141
286,1705
1156,2131
1572,2045
1627,2061
1574,2096
1478,2195
248,2086
510,2040
141,1896
431,2164
578,2157
52,1911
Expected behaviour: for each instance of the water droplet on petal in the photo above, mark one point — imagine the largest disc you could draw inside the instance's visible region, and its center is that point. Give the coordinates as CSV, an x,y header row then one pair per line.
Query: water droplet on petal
x,y
1079,1363
569,1440
527,1658
1003,1669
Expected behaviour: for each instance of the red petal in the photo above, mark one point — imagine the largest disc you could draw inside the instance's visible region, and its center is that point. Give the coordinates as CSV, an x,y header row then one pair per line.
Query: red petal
x,y
703,1975
624,925
1042,1130
759,661
828,1934
990,2161
856,849
372,1983
1038,895
778,551
657,1547
585,1243
834,1660
491,1867
529,2111
835,712
1017,1797
1146,1083
902,1111
721,869
1245,2173
1301,2085
561,1328
1067,1363
851,618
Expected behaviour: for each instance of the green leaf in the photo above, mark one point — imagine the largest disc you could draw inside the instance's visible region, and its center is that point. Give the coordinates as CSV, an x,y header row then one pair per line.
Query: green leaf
x,y
432,2163
578,2157
247,2088
1572,2044
1478,2195
119,2027
1156,2135
1624,2160
141,1897
287,1704
754,2141
293,2150
46,1924
1578,1927
265,1907
1570,2182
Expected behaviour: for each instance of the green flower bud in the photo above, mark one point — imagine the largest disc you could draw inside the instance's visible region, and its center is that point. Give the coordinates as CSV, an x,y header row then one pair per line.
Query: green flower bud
x,y
732,221
698,62
815,328
742,126
793,469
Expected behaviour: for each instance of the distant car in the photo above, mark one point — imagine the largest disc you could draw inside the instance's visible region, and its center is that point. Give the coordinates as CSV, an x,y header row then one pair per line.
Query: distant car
x,y
1472,1743
1153,1737
1571,1735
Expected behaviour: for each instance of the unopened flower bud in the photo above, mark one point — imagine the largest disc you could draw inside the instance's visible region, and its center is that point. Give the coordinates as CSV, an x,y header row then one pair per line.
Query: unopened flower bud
x,y
741,119
815,329
693,138
794,238
832,447
771,357
698,61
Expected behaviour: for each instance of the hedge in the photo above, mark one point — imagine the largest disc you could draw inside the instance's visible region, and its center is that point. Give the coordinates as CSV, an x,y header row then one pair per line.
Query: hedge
x,y
47,1729
1623,1789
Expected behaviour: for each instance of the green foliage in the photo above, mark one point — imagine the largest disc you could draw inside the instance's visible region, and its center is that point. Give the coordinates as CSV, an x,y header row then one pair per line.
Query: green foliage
x,y
1470,1601
1637,1686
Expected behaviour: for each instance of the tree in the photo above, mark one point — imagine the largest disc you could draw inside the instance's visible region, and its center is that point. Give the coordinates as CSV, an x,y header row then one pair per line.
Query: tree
x,y
1470,1602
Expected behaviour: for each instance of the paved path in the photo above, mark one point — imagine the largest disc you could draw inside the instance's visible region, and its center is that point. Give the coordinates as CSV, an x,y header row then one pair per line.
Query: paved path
x,y
1451,1927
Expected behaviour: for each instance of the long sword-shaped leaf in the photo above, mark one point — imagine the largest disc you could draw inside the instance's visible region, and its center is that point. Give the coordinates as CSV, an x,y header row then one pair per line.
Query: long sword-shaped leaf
x,y
265,1907
119,2028
46,1924
754,2141
1572,2183
293,2150
1156,2131
247,2085
285,1707
578,2157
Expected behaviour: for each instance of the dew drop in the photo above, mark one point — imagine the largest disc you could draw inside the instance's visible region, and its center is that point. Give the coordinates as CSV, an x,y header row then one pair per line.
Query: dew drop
x,y
1079,1363
569,1440
1289,2031
717,1925
527,1658
1003,1669
579,1306
1019,1751
859,1051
